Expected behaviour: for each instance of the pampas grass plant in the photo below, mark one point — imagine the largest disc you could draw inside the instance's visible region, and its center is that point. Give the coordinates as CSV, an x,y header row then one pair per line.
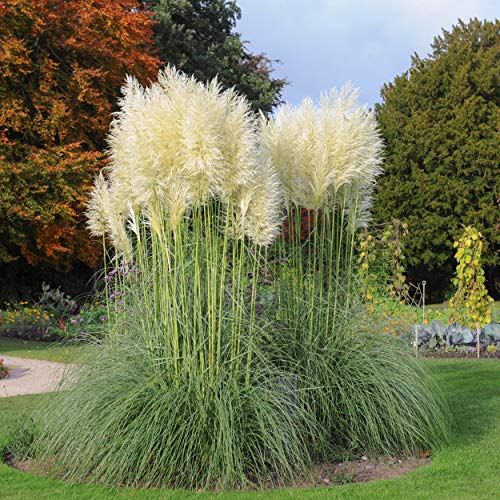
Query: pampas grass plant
x,y
370,396
328,158
181,393
195,386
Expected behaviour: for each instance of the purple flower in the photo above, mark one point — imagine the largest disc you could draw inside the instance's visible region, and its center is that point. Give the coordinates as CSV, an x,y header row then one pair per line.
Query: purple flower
x,y
74,321
81,319
103,318
108,277
120,303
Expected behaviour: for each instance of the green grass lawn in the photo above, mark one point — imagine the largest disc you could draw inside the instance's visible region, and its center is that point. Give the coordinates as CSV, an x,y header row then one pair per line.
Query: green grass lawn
x,y
48,351
468,467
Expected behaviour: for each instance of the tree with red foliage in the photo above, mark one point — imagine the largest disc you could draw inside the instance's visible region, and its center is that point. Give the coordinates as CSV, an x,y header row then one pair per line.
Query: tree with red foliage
x,y
62,63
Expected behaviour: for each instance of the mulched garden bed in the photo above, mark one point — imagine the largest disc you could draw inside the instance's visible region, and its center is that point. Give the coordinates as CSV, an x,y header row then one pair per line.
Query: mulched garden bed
x,y
353,471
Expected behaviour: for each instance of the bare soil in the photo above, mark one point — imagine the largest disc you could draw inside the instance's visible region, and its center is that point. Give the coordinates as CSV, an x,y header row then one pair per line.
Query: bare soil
x,y
364,470
354,471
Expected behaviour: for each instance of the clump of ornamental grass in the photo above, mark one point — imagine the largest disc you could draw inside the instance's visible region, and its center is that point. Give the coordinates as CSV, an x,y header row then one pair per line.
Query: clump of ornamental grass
x,y
368,393
129,420
370,396
328,158
181,393
194,385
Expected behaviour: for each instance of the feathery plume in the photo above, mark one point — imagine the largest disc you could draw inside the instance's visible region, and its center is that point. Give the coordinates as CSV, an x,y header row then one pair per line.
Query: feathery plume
x,y
263,216
237,146
317,151
97,206
116,227
177,143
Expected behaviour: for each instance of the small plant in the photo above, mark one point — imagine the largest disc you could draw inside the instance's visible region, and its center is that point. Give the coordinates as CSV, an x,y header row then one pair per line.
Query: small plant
x,y
470,305
381,269
89,322
57,302
4,370
492,349
25,321
343,476
56,317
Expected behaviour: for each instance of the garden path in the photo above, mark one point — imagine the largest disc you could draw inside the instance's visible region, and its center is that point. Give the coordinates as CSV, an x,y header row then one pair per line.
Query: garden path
x,y
30,376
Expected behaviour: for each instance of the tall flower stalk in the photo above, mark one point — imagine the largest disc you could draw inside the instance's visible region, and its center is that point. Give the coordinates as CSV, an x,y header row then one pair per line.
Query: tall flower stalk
x,y
328,158
186,195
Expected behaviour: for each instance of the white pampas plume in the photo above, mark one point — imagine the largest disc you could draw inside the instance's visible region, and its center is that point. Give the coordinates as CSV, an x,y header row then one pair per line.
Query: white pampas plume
x,y
154,218
177,143
200,128
263,217
177,197
116,227
97,206
237,146
359,201
317,151
123,141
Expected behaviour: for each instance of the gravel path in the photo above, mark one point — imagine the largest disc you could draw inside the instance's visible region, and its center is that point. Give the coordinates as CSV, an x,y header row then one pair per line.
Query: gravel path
x,y
30,376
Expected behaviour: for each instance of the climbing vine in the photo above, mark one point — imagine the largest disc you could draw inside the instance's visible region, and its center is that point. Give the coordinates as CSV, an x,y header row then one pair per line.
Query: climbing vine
x,y
471,304
381,261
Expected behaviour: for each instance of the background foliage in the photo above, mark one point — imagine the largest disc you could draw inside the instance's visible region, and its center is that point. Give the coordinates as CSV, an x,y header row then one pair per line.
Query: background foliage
x,y
471,305
199,38
440,123
63,63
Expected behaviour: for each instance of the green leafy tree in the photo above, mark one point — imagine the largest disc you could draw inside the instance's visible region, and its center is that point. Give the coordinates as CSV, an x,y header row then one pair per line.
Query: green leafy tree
x,y
440,123
199,38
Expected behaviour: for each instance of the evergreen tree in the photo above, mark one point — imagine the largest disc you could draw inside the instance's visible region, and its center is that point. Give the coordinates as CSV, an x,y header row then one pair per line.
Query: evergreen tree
x,y
440,123
199,38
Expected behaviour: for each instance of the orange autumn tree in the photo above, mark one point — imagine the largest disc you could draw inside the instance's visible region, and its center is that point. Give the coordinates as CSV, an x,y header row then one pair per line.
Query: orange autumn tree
x,y
62,63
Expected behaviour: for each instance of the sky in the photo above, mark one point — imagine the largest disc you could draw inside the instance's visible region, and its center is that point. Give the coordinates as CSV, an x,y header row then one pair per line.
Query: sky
x,y
325,43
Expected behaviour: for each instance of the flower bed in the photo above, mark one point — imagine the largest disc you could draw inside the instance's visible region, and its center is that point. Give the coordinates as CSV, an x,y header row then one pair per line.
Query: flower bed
x,y
47,322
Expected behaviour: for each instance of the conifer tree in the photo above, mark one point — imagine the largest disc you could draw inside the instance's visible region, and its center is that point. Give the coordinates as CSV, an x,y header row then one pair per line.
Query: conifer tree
x,y
440,123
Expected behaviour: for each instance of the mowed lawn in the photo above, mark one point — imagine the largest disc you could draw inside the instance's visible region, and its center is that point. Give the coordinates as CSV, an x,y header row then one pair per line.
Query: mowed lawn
x,y
48,351
468,467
